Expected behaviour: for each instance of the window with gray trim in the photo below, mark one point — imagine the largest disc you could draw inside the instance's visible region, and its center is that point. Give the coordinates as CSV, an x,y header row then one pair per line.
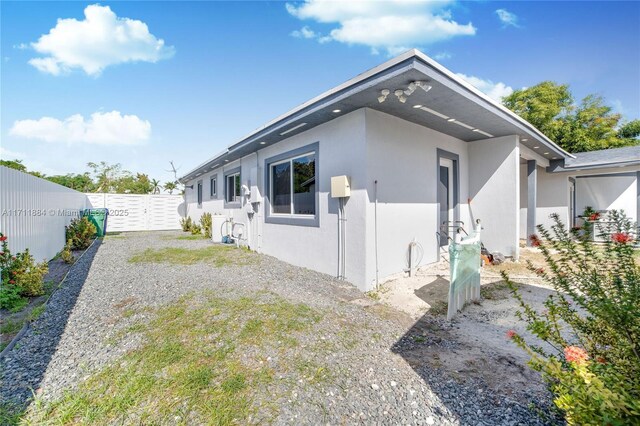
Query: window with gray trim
x,y
213,188
293,186
232,187
199,193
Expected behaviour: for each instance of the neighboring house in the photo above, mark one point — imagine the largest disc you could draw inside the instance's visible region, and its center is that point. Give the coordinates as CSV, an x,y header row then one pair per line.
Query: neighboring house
x,y
421,148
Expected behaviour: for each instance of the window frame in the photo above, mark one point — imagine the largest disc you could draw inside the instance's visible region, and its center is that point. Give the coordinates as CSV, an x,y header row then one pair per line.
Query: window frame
x,y
236,203
213,186
199,194
289,157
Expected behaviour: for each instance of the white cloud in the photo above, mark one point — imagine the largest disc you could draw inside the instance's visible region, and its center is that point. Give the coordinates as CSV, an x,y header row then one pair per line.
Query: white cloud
x,y
304,32
21,46
108,128
7,154
507,18
100,40
442,56
394,25
496,91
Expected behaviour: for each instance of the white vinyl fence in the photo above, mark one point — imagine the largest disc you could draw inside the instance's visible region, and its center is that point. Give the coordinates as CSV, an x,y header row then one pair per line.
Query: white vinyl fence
x,y
34,212
132,212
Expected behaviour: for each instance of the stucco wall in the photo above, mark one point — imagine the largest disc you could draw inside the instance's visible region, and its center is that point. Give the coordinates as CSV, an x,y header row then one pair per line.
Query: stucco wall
x,y
402,157
553,197
613,192
494,189
341,152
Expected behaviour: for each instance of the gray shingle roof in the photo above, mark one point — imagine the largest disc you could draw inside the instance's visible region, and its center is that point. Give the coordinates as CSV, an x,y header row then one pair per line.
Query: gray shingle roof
x,y
605,156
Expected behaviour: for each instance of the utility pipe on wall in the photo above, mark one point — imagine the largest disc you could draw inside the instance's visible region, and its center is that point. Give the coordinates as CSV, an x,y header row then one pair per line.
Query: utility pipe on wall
x,y
375,227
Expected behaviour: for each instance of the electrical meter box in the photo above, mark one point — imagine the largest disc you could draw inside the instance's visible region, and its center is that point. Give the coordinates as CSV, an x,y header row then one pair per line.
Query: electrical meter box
x,y
340,187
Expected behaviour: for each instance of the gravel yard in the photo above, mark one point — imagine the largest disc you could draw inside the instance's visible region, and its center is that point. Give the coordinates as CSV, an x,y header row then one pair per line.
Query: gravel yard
x,y
344,359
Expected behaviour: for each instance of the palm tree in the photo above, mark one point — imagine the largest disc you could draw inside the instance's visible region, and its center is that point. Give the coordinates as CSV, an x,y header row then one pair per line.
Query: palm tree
x,y
156,187
170,186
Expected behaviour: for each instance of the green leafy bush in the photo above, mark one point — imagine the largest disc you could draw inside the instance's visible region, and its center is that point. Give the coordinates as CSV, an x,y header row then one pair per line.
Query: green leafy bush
x,y
80,232
195,229
591,328
29,275
186,224
20,276
205,222
66,255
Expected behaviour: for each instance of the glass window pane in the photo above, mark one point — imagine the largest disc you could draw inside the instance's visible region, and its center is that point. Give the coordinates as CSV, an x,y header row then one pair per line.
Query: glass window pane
x,y
304,185
230,189
238,191
281,188
199,193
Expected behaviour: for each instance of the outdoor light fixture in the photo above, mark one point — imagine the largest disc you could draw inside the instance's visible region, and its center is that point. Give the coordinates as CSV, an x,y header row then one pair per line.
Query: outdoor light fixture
x,y
383,95
335,111
436,113
536,147
226,161
414,85
524,140
400,95
189,186
451,120
263,143
417,106
293,128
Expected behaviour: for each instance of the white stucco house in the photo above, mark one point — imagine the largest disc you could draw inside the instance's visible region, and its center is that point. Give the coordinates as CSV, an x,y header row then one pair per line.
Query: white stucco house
x,y
423,152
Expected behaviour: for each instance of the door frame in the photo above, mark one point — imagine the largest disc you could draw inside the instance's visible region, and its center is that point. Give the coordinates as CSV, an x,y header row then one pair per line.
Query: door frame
x,y
455,159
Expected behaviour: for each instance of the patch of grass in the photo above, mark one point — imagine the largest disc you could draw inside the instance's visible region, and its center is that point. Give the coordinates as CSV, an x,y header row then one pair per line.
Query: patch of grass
x,y
198,364
10,414
495,291
36,312
217,255
20,305
10,327
438,308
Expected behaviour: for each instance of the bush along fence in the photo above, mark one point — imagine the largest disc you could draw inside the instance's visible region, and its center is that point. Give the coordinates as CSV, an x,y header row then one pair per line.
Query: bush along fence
x,y
590,330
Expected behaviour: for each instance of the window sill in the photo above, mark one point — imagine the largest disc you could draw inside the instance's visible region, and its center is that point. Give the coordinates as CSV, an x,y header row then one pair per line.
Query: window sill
x,y
312,221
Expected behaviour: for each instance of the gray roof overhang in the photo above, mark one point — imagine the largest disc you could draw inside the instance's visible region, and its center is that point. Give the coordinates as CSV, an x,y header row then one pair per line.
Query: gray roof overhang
x,y
450,96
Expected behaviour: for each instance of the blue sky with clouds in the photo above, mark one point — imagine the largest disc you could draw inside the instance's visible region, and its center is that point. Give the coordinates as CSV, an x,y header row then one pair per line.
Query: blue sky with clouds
x,y
142,83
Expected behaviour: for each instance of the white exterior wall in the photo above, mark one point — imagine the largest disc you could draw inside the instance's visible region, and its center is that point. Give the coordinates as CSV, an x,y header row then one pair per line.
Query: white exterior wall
x,y
613,192
402,157
341,152
552,198
494,189
600,189
35,212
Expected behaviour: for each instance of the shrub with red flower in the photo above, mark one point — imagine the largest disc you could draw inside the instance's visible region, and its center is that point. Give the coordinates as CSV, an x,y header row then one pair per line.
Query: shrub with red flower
x,y
594,216
3,238
621,238
511,334
575,354
535,240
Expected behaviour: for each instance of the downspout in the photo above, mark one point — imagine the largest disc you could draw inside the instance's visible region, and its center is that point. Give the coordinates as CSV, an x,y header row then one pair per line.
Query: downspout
x,y
375,227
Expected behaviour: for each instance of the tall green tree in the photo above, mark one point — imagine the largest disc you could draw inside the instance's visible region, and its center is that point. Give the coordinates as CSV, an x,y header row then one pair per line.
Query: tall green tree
x,y
14,164
105,175
577,127
79,182
156,187
170,186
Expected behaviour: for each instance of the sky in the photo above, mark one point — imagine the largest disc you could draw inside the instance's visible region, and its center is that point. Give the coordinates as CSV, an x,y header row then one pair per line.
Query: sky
x,y
145,83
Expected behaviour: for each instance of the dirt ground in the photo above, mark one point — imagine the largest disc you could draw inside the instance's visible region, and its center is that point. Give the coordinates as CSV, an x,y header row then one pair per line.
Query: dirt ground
x,y
476,342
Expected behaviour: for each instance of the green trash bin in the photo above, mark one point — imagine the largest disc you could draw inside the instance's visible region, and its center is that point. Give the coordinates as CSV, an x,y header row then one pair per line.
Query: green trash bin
x,y
99,218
